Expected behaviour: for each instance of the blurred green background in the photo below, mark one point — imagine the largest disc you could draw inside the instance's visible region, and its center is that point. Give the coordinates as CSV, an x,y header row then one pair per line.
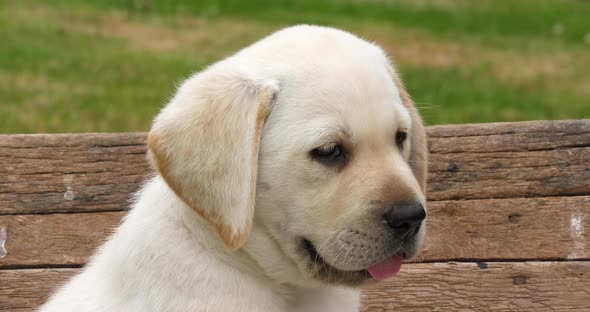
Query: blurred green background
x,y
110,65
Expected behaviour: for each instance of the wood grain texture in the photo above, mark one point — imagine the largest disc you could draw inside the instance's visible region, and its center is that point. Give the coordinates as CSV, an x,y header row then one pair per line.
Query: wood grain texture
x,y
507,160
493,229
528,286
55,239
473,175
503,160
25,290
99,170
505,229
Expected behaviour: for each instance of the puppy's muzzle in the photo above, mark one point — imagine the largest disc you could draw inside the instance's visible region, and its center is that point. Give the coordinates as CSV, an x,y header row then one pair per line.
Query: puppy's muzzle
x,y
405,218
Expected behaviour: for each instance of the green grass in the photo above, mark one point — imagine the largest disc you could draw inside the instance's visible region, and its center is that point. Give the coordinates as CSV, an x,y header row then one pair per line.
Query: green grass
x,y
110,65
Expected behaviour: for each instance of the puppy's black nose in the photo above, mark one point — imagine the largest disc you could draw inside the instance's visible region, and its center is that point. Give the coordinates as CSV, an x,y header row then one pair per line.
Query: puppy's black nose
x,y
406,218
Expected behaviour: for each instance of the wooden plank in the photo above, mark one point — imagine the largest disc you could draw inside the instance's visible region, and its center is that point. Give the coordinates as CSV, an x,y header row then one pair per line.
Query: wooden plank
x,y
97,172
494,286
528,286
25,290
494,229
500,229
525,136
509,174
507,160
73,172
55,239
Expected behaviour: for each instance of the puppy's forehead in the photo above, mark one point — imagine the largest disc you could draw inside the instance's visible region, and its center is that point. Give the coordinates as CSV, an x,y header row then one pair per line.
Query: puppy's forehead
x,y
329,80
359,100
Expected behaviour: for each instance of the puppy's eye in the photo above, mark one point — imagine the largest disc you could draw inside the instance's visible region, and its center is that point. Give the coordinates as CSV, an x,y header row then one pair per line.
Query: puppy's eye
x,y
400,138
328,152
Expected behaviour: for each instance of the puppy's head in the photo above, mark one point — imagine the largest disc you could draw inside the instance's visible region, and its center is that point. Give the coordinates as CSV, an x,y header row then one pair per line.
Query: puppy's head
x,y
309,135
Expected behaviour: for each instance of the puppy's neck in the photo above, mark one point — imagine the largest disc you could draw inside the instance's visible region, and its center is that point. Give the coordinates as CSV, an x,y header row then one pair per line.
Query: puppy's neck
x,y
261,257
245,260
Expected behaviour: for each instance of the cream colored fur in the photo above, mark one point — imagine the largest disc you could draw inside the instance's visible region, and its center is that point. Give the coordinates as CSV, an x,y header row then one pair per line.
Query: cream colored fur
x,y
220,226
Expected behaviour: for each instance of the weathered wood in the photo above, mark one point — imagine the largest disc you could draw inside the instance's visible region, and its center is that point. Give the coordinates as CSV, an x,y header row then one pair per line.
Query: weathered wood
x,y
524,136
505,160
503,229
510,174
25,290
77,172
528,286
494,229
55,239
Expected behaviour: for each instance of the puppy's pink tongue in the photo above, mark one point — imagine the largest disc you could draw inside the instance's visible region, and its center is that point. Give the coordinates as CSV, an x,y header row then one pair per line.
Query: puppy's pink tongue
x,y
388,268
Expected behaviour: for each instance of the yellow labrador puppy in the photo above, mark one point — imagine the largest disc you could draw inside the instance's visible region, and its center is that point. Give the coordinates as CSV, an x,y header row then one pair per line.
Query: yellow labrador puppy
x,y
288,175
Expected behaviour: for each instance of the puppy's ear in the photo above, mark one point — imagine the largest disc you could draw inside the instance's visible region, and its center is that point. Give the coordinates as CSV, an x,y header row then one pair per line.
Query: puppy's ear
x,y
205,146
418,147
